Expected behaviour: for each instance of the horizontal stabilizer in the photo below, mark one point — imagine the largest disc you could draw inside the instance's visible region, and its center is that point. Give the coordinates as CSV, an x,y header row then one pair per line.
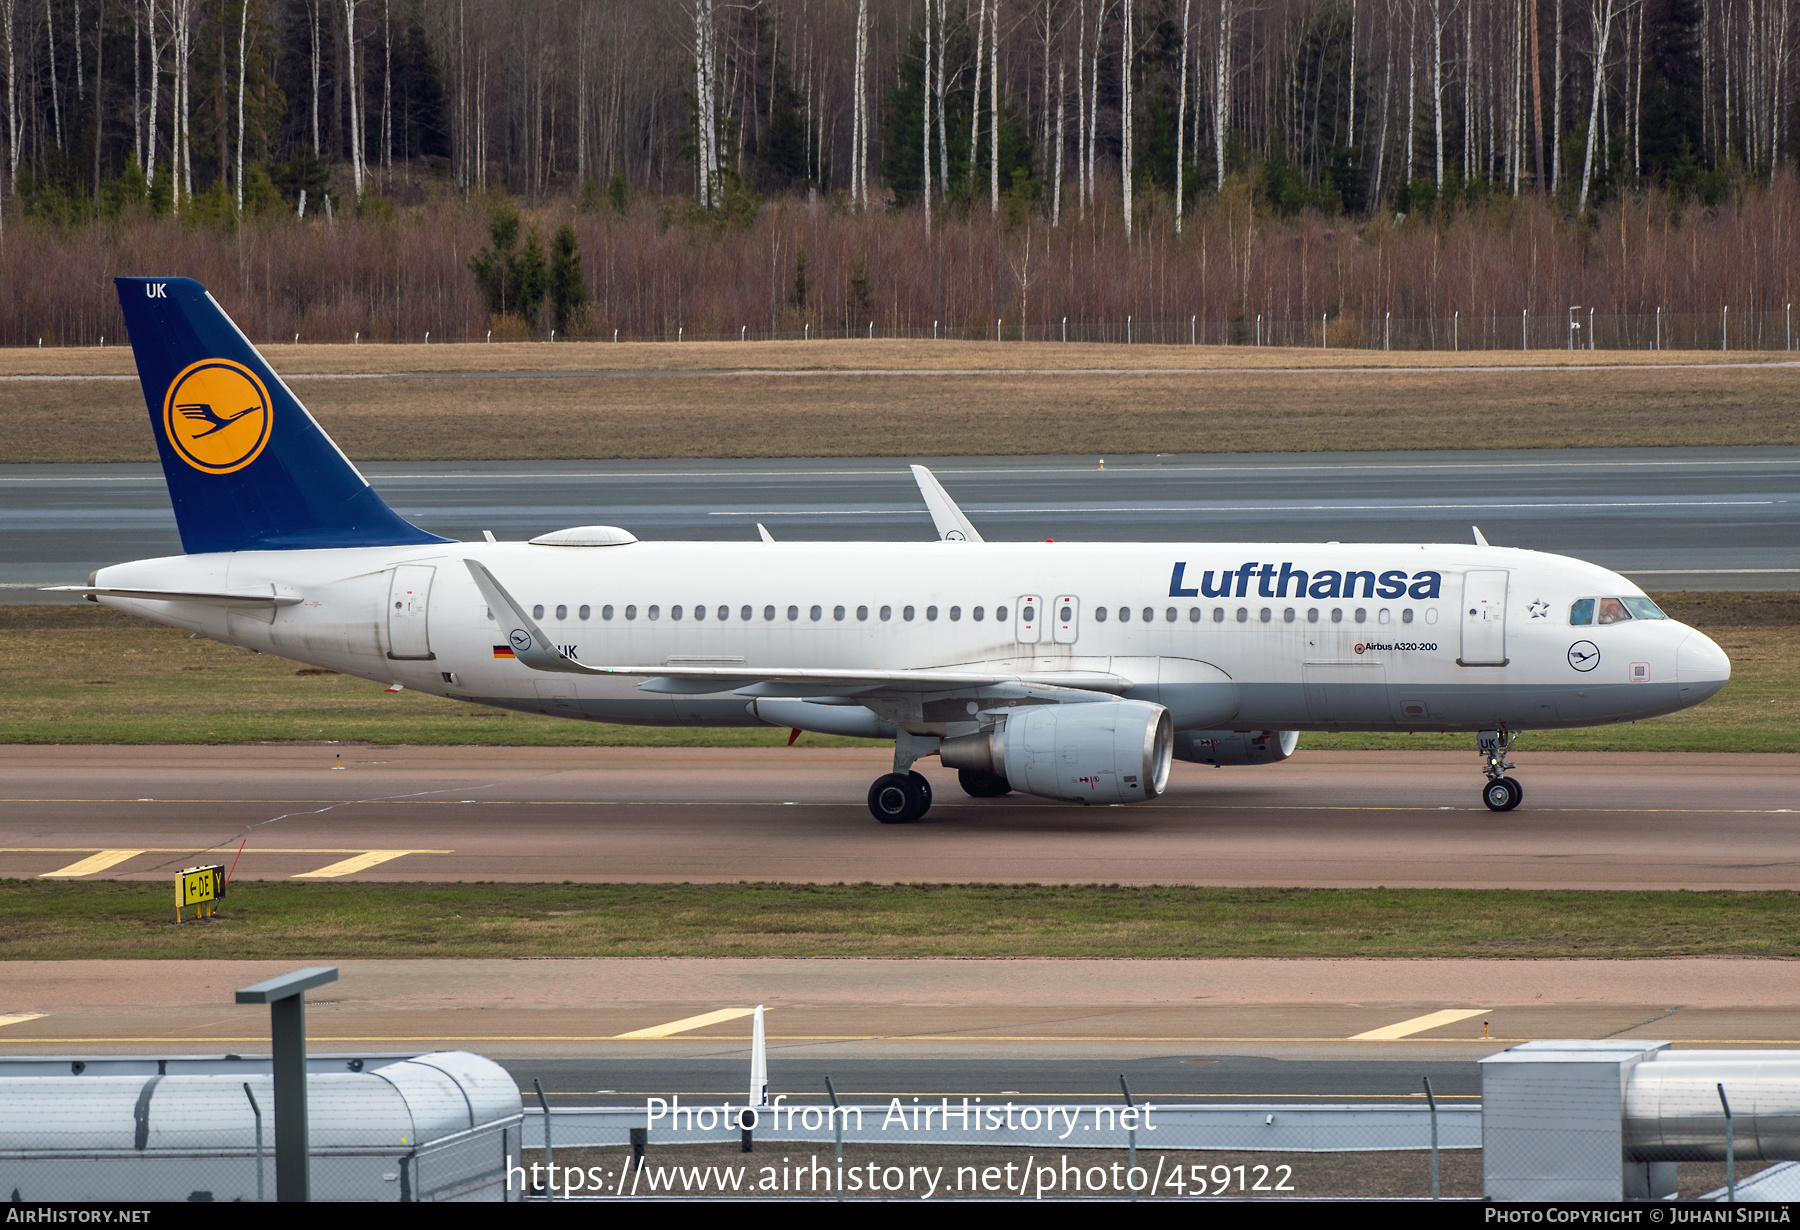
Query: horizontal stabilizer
x,y
235,597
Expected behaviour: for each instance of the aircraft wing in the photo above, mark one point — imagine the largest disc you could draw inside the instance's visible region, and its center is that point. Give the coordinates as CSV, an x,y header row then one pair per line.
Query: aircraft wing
x,y
537,651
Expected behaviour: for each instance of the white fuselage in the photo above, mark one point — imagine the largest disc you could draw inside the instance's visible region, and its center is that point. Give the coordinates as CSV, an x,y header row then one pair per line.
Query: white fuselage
x,y
1430,638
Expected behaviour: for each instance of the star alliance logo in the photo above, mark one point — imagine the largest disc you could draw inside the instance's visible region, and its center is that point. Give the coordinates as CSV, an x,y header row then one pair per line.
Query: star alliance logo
x,y
1539,609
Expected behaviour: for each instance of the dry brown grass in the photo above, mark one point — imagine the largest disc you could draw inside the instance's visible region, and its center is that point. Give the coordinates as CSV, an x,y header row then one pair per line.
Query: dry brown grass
x,y
892,398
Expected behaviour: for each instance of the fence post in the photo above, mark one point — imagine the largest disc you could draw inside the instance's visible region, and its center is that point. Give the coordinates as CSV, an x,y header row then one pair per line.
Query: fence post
x,y
549,1153
286,997
1193,330
1431,1102
1131,1132
1725,327
1128,329
1456,331
1322,318
1065,333
1387,337
837,1123
257,1111
1730,1150
1525,328
1591,343
1659,328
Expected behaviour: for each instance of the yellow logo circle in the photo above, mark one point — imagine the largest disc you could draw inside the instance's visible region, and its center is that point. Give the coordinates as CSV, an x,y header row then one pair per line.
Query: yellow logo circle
x,y
217,415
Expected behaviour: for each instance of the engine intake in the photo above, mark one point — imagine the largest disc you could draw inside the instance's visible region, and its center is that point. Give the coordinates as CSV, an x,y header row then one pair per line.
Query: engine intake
x,y
1106,752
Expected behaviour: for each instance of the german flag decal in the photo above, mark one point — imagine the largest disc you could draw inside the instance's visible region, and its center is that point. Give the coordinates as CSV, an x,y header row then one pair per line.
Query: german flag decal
x,y
504,651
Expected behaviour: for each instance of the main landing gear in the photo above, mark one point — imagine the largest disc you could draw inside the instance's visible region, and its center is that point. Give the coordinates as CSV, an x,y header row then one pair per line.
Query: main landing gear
x,y
1501,793
898,798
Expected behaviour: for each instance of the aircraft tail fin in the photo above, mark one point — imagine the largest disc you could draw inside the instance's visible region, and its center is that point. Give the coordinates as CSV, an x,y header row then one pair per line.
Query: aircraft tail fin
x,y
248,469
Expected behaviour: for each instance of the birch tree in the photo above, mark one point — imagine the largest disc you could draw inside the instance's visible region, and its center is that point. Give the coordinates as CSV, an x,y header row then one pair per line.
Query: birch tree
x,y
355,91
1126,54
993,113
1602,25
10,16
859,182
1221,88
1181,115
925,96
243,33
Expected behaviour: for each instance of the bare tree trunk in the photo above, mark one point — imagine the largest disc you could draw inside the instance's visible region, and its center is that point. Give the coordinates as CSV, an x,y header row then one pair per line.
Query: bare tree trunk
x,y
137,79
99,90
1602,32
1537,102
313,12
943,122
387,92
9,15
1125,58
1556,127
993,112
1437,90
55,97
1412,82
1093,127
243,38
925,120
355,86
1081,110
859,171
975,104
1350,140
1062,105
1221,88
1387,107
155,91
1181,116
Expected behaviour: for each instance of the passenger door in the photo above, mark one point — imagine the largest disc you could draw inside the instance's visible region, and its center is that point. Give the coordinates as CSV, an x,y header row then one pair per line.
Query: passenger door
x,y
1483,618
409,613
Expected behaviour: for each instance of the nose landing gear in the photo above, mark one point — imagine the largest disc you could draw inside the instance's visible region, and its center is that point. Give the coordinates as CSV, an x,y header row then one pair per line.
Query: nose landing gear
x,y
1501,793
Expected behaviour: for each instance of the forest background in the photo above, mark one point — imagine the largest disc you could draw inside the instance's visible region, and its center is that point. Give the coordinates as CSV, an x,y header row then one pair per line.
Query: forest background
x,y
1304,171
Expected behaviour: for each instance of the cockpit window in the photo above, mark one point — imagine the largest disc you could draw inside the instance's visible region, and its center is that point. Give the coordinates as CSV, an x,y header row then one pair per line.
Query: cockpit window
x,y
1643,608
1612,611
1582,612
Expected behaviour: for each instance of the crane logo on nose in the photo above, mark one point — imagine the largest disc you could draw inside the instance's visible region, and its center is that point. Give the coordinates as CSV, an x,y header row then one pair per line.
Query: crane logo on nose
x,y
1584,655
217,416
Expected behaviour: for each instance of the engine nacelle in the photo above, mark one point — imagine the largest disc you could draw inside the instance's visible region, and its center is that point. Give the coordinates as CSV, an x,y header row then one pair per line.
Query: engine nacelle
x,y
1104,752
1235,747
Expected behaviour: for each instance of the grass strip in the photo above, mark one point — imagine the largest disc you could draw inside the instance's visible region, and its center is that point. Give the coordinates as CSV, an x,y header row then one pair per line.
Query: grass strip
x,y
54,920
82,673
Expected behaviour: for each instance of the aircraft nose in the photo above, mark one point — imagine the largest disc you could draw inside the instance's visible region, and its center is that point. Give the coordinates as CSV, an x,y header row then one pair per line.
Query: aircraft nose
x,y
1701,667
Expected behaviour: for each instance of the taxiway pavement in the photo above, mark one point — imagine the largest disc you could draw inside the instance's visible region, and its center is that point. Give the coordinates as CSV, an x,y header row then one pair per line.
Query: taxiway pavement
x,y
1327,819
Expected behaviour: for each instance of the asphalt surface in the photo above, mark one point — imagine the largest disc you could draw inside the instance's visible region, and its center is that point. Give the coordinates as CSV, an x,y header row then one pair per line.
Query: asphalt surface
x,y
1726,518
1329,819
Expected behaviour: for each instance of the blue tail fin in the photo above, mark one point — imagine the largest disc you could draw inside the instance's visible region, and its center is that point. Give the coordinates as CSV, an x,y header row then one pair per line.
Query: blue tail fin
x,y
247,468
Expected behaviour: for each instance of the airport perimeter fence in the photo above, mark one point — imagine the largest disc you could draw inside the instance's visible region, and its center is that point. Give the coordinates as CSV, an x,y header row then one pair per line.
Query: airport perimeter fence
x,y
968,1148
1577,328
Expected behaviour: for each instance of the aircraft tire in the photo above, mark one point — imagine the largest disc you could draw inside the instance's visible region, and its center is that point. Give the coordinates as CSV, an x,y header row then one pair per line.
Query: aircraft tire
x,y
1502,794
924,785
895,798
980,784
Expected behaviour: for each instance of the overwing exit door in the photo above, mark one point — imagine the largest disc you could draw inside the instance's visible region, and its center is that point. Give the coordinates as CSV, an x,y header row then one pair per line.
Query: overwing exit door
x,y
1029,628
409,611
1483,618
1065,619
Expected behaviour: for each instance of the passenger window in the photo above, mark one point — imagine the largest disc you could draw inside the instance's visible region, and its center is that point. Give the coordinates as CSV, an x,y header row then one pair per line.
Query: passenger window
x,y
674,613
744,613
1362,615
1100,614
1312,614
631,612
976,614
1263,615
930,612
887,613
817,613
1124,614
1193,614
654,612
606,611
837,613
955,613
584,612
1287,616
906,613
1149,614
862,612
1383,616
537,612
1243,614
1000,614
725,612
768,612
562,612
1406,616
1218,614
1612,611
1643,608
1581,614
1337,614
699,612
1168,615
793,613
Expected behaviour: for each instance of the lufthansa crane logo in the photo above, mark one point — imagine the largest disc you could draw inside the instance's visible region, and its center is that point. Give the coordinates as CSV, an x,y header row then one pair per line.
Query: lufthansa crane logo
x,y
217,416
1584,656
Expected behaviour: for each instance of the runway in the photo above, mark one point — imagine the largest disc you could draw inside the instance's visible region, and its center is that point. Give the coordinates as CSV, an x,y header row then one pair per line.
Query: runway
x,y
1717,518
1326,819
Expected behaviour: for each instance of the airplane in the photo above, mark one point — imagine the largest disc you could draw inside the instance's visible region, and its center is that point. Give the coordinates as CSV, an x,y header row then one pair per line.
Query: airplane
x,y
1072,671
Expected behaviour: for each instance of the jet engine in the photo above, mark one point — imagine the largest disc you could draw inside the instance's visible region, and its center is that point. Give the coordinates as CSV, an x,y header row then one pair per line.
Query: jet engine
x,y
1104,752
1235,747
